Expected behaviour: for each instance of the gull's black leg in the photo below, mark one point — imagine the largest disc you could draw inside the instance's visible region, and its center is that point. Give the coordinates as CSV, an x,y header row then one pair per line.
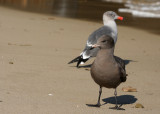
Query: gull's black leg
x,y
115,94
100,92
116,107
98,103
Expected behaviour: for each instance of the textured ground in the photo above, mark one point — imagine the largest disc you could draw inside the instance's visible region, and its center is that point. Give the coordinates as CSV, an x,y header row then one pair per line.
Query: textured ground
x,y
36,79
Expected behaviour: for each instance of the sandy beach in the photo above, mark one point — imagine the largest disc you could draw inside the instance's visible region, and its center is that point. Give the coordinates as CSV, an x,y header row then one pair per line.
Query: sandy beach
x,y
36,79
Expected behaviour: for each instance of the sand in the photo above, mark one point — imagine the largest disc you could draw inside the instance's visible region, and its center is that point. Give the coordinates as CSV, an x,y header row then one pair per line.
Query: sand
x,y
36,79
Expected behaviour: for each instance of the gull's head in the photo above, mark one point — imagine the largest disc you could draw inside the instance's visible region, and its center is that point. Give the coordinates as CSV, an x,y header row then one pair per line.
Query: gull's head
x,y
110,15
104,42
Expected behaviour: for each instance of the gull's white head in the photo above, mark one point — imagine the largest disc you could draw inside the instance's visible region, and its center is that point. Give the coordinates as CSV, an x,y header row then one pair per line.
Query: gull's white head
x,y
111,16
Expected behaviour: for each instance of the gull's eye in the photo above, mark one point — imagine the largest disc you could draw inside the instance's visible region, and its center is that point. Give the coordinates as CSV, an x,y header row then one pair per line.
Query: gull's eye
x,y
104,41
112,15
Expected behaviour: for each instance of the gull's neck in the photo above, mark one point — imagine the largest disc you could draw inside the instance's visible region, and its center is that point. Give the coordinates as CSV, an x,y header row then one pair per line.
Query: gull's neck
x,y
111,24
104,55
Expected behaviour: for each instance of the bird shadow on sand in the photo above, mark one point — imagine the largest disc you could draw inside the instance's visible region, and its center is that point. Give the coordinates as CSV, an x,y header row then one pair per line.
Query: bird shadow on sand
x,y
121,100
86,66
126,61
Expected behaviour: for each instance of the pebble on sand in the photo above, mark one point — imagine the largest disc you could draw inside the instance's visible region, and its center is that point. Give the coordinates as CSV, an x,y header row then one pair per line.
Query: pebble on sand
x,y
50,94
10,62
129,89
138,105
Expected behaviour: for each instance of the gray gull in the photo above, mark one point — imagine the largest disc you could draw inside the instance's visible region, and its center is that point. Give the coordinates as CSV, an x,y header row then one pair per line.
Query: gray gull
x,y
109,28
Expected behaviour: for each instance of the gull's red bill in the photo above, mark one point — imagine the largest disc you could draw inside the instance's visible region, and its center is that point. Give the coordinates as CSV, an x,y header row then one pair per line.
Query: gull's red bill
x,y
120,18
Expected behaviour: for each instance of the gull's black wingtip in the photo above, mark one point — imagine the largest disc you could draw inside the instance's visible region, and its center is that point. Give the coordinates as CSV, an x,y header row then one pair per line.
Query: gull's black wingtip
x,y
78,59
75,60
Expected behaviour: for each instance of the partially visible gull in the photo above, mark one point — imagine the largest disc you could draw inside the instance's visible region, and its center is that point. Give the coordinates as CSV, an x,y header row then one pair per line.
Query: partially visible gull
x,y
109,28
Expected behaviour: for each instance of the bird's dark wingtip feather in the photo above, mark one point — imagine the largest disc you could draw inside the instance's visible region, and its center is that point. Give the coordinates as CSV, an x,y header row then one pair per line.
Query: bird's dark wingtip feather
x,y
75,60
78,59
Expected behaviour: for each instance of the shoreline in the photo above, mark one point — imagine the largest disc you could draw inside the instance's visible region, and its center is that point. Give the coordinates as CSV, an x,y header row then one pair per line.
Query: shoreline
x,y
35,76
129,21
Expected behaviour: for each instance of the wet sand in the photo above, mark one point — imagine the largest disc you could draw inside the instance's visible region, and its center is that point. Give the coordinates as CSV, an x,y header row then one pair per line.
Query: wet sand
x,y
89,10
36,79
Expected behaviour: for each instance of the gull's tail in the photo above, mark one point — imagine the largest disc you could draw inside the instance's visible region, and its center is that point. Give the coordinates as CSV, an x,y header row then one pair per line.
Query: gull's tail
x,y
79,60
